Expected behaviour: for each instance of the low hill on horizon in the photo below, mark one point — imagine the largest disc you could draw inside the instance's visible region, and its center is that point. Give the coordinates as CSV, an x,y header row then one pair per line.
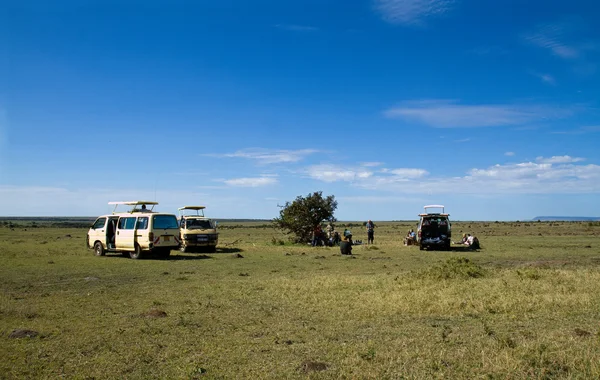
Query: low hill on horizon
x,y
567,218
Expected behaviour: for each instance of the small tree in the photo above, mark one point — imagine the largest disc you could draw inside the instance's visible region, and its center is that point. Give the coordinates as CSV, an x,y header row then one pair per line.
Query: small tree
x,y
302,215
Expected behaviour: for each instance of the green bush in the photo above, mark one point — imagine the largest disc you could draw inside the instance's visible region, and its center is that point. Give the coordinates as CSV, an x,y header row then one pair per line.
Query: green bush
x,y
455,268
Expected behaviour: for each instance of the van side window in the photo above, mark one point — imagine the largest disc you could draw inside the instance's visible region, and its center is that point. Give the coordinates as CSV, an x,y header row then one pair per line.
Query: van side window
x,y
99,223
127,223
130,223
142,223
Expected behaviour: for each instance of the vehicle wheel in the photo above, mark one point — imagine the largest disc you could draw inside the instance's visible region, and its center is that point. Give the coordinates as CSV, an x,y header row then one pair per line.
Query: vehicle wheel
x,y
183,248
211,249
137,254
98,249
421,247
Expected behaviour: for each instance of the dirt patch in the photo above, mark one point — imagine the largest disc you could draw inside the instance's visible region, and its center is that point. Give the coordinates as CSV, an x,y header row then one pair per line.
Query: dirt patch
x,y
155,313
23,333
237,256
310,366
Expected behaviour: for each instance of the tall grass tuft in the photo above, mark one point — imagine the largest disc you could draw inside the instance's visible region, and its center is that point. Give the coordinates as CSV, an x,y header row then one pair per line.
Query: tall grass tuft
x,y
455,268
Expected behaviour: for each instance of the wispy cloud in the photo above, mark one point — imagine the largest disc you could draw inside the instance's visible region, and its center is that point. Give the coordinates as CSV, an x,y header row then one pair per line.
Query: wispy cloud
x,y
449,114
488,51
266,156
251,181
559,159
411,12
579,131
371,164
509,154
297,28
334,173
553,37
545,78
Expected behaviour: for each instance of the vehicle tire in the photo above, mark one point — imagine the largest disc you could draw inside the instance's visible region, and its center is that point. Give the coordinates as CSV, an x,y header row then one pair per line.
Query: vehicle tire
x,y
421,247
211,249
183,248
137,254
98,249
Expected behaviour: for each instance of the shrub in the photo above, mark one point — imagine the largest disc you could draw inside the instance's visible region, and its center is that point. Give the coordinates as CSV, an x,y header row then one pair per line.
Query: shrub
x,y
455,267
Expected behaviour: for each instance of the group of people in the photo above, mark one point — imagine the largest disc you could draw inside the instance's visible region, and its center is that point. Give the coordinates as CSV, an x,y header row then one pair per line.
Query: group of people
x,y
411,238
470,241
330,237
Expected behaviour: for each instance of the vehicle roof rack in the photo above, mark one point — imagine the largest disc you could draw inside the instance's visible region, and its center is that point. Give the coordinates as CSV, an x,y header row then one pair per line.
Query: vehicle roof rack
x,y
199,210
133,203
434,213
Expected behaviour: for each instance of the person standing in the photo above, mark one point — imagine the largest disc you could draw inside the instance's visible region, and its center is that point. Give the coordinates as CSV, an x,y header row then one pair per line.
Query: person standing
x,y
370,231
316,235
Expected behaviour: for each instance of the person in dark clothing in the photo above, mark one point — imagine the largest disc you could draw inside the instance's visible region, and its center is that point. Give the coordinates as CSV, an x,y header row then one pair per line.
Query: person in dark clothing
x,y
370,231
346,245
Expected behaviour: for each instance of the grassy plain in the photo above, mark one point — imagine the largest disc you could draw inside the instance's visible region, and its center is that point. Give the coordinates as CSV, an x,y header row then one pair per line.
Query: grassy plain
x,y
525,306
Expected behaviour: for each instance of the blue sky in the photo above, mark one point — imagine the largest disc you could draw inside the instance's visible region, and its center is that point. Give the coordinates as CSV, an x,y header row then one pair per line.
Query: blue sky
x,y
490,108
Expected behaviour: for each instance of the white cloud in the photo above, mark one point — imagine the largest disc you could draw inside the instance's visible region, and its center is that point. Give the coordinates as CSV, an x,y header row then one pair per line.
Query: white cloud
x,y
371,164
509,154
267,156
554,175
559,159
406,172
411,12
251,181
449,114
334,173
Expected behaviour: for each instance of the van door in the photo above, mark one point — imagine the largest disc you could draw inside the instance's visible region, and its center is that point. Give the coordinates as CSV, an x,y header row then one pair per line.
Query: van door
x,y
97,232
125,238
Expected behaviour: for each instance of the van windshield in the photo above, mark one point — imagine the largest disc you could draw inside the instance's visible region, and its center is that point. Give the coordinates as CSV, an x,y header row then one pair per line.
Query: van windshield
x,y
164,221
198,224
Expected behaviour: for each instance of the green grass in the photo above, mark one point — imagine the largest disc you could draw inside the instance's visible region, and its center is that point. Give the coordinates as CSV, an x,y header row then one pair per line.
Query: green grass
x,y
525,306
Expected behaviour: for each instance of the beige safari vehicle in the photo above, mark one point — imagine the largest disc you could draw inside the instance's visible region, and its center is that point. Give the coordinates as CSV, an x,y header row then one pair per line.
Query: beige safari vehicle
x,y
198,233
135,232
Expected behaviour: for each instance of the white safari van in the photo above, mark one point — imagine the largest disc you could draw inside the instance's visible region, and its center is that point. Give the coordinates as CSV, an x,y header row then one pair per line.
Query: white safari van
x,y
198,233
134,232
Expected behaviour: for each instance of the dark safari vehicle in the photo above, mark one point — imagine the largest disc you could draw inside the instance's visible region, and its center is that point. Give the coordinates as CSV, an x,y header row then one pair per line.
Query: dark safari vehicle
x,y
434,229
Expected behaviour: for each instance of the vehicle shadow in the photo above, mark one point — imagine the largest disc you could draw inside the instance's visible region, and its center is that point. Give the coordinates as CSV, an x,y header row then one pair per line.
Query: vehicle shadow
x,y
229,250
183,257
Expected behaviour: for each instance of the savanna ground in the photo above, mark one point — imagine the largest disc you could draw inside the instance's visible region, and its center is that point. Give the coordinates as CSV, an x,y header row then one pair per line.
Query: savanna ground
x,y
525,306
